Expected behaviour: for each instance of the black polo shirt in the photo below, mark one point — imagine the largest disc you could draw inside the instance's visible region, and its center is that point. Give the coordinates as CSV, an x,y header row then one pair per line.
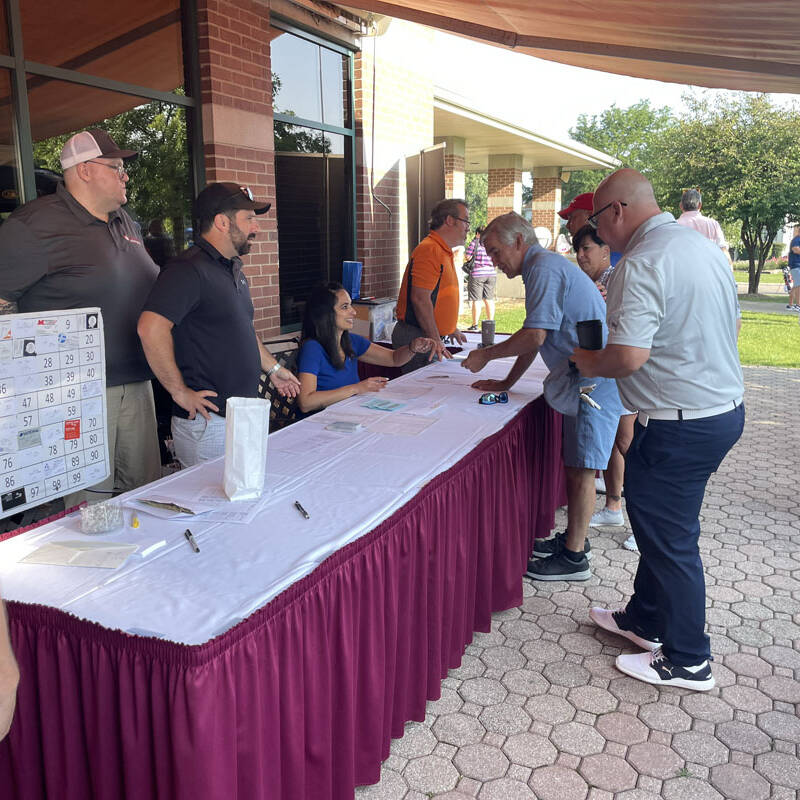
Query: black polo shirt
x,y
54,254
207,298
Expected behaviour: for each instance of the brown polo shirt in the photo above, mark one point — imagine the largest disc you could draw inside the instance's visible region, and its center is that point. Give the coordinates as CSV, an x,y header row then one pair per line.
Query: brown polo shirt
x,y
54,254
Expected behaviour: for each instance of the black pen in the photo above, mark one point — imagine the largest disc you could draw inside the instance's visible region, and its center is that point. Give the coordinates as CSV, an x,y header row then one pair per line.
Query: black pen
x,y
189,538
301,509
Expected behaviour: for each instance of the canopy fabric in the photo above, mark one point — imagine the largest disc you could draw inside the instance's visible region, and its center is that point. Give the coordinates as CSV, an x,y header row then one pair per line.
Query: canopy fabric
x,y
750,45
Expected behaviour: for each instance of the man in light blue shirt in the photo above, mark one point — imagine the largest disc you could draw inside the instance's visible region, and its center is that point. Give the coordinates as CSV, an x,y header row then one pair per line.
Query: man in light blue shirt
x,y
558,295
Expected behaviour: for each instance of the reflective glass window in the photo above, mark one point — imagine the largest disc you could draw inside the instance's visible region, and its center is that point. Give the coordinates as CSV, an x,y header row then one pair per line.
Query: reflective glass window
x,y
159,186
9,168
4,49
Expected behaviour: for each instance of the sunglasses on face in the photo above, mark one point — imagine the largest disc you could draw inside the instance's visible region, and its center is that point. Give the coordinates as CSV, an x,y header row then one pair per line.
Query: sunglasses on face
x,y
490,398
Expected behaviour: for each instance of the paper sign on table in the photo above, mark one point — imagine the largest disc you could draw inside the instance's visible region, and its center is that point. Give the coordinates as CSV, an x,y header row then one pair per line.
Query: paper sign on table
x,y
107,555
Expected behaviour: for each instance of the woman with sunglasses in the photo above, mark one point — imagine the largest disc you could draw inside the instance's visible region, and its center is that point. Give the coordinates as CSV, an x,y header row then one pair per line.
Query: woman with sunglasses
x,y
329,353
594,258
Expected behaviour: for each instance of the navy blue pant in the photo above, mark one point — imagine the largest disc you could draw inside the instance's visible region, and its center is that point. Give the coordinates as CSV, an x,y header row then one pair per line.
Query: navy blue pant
x,y
666,472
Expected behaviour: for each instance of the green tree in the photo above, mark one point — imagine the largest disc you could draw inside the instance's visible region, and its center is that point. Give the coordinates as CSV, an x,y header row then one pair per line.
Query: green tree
x,y
477,196
744,155
632,135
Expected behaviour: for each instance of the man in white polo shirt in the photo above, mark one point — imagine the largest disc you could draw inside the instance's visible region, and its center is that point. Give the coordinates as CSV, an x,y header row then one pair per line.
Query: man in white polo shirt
x,y
673,321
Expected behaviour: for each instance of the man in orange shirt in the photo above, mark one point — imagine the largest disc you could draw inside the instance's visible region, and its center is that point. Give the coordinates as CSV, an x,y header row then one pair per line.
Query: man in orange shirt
x,y
430,294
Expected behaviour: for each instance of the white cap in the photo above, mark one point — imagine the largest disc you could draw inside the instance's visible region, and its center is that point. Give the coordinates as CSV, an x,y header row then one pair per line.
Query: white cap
x,y
86,145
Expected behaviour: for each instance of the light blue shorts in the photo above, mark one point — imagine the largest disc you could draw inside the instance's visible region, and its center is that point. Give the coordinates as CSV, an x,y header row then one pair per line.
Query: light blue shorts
x,y
795,271
588,438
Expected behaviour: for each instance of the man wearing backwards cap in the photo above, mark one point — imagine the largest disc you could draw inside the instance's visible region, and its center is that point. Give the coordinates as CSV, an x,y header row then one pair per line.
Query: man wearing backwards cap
x,y
197,325
77,248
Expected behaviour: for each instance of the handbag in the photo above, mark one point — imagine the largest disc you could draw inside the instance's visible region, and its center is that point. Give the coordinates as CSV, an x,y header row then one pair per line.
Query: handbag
x,y
468,265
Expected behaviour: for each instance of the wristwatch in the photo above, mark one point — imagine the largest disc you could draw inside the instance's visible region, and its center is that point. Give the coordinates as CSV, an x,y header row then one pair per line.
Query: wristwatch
x,y
273,369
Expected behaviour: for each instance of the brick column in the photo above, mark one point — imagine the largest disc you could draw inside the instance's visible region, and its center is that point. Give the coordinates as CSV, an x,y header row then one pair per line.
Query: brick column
x,y
454,182
236,96
505,185
546,200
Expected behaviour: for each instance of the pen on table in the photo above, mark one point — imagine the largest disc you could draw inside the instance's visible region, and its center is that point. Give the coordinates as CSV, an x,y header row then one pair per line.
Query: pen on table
x,y
301,509
189,538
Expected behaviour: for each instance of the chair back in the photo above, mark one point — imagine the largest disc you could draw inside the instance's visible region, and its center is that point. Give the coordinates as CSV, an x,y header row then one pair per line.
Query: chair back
x,y
283,410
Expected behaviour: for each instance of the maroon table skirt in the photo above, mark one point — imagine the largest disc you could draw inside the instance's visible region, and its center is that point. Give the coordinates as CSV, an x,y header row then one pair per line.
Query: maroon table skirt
x,y
299,701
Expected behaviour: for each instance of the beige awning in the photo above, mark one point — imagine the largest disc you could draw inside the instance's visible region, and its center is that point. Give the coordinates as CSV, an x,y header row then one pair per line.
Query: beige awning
x,y
732,44
485,135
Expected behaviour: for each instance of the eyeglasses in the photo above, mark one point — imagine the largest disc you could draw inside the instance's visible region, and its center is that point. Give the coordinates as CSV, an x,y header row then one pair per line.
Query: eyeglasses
x,y
461,219
490,398
119,169
247,192
592,220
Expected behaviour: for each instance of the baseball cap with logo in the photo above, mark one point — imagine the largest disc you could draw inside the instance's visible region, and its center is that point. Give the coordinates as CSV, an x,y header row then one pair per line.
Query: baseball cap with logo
x,y
217,198
583,202
94,143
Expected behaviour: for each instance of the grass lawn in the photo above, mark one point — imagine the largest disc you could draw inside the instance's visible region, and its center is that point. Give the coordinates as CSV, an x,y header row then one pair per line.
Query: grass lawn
x,y
766,340
742,276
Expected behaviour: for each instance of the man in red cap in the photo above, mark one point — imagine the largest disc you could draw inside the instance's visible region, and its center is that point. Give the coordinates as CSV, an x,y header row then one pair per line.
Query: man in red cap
x,y
577,212
79,248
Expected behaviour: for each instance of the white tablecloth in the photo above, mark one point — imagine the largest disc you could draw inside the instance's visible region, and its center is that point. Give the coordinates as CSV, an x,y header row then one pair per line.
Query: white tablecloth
x,y
348,483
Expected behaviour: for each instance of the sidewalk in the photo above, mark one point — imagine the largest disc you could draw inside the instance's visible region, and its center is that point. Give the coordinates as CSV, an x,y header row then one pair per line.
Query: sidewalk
x,y
538,710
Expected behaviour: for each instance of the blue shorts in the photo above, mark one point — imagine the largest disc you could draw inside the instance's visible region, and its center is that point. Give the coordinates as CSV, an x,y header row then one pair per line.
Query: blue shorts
x,y
795,272
588,438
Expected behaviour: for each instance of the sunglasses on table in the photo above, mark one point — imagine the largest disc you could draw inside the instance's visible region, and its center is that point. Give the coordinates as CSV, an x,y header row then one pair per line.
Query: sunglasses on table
x,y
490,398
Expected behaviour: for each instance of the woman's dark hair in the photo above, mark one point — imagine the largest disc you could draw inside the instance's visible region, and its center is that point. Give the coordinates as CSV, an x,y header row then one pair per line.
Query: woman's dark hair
x,y
479,230
582,233
319,322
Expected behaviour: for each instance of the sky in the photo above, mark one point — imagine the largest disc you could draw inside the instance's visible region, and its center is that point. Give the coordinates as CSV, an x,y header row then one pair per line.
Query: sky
x,y
543,95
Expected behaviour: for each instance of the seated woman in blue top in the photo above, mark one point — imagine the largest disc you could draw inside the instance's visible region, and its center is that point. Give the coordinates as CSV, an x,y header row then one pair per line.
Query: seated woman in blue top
x,y
329,353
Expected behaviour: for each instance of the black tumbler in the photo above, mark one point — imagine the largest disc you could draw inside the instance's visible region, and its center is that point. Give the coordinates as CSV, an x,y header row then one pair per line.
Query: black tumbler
x,y
590,334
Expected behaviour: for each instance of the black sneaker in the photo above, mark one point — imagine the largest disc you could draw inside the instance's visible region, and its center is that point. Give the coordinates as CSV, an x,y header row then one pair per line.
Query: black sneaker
x,y
475,327
543,548
558,567
656,668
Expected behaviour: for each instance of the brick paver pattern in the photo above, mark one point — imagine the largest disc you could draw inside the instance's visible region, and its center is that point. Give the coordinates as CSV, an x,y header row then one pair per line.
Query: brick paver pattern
x,y
537,709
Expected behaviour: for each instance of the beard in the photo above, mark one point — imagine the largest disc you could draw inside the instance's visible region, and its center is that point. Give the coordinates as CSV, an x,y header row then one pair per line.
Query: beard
x,y
241,242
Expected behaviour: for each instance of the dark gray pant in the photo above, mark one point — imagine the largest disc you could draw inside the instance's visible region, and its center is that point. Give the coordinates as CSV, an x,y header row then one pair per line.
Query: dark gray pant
x,y
404,334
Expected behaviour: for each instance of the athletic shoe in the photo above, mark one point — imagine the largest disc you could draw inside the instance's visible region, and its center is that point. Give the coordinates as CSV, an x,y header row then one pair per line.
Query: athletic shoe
x,y
472,328
656,668
606,518
615,622
559,567
600,485
543,548
630,544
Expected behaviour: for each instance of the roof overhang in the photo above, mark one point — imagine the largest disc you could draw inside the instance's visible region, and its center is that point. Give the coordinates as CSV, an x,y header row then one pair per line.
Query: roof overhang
x,y
729,44
485,135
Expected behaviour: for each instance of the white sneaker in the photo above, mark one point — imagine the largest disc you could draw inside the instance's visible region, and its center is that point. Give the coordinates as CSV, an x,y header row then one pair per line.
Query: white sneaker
x,y
656,668
607,518
630,544
605,618
600,485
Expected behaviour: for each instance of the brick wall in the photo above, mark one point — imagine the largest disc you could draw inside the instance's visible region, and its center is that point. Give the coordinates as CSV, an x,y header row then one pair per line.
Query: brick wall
x,y
545,202
454,182
403,126
505,191
233,42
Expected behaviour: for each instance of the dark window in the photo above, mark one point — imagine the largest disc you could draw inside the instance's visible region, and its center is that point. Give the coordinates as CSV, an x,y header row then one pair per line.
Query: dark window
x,y
3,29
313,167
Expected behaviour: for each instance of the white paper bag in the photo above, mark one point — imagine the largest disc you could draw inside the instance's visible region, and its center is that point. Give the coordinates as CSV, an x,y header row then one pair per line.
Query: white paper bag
x,y
246,429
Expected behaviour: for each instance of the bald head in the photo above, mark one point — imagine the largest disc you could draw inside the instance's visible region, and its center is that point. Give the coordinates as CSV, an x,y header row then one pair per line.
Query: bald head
x,y
628,200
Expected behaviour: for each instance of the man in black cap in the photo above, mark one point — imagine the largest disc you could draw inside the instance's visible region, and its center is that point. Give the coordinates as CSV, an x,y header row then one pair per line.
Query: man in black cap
x,y
76,248
197,325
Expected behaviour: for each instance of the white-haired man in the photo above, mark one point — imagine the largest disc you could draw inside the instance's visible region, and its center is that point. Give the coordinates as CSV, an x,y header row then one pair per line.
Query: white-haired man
x,y
557,297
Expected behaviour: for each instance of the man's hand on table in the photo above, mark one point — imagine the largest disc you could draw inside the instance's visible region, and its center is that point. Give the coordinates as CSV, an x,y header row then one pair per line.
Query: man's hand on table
x,y
456,337
490,385
195,402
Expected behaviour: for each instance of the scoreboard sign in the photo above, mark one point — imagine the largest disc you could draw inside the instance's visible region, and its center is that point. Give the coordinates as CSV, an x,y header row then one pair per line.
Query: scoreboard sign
x,y
52,406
